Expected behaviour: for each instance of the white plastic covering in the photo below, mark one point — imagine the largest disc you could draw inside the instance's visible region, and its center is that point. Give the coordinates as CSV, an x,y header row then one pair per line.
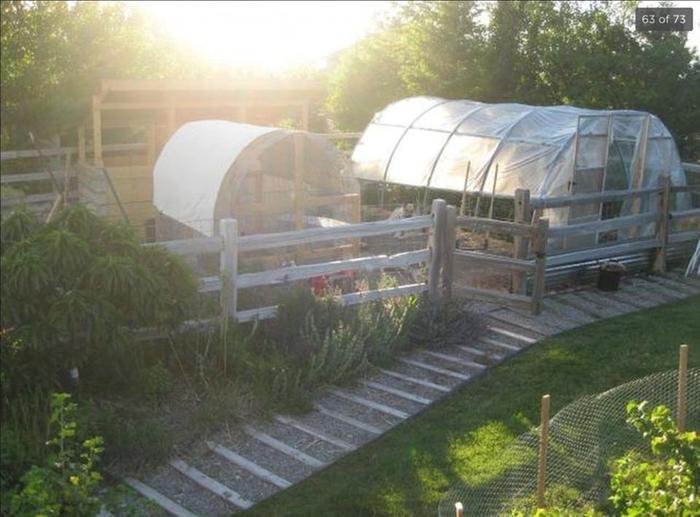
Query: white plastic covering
x,y
428,142
192,166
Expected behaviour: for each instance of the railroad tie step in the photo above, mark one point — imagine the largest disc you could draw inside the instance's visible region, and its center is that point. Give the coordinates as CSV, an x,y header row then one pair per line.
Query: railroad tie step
x,y
159,499
479,353
364,426
455,359
435,369
283,447
394,391
210,484
413,380
249,465
342,444
500,344
382,408
513,335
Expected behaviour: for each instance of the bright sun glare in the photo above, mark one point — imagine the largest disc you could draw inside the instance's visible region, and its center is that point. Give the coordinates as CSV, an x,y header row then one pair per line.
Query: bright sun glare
x,y
269,35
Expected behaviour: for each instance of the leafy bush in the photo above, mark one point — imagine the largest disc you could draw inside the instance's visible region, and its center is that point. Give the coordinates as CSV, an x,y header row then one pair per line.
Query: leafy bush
x,y
75,286
68,483
663,480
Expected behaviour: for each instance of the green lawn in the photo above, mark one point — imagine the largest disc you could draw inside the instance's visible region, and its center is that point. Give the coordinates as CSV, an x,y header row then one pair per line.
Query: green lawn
x,y
408,470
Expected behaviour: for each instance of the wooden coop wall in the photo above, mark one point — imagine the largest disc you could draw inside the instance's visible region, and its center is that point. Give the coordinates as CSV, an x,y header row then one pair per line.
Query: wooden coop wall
x,y
153,110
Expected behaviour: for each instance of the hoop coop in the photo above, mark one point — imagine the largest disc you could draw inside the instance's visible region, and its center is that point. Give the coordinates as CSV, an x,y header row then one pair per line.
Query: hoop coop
x,y
269,179
477,148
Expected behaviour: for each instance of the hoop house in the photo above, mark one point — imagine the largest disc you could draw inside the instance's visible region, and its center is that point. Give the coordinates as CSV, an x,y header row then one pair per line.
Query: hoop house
x,y
553,151
270,179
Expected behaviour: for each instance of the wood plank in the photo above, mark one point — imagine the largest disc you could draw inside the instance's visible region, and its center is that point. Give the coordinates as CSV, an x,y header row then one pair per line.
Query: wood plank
x,y
601,252
414,380
512,335
625,296
348,420
673,284
341,444
589,199
691,235
479,353
295,273
282,447
685,214
196,246
28,200
249,466
382,408
563,310
603,226
610,302
585,306
527,321
497,297
500,344
394,391
435,369
31,176
312,235
500,262
153,495
455,359
211,484
668,293
478,224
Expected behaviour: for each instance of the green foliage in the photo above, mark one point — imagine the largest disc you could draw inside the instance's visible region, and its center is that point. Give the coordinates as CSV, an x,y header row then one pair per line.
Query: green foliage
x,y
580,53
71,287
55,53
663,480
67,484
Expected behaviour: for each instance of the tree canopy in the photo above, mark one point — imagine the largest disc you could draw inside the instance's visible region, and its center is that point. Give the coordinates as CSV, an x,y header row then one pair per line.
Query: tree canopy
x,y
585,54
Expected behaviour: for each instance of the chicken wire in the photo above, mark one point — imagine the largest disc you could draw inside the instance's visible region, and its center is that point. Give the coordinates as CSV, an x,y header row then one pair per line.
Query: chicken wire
x,y
584,438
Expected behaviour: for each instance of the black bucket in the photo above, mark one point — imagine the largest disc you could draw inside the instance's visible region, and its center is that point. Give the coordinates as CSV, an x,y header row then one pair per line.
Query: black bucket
x,y
609,276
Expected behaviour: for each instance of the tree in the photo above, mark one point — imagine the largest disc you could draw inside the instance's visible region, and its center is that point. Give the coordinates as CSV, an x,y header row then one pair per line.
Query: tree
x,y
582,53
54,55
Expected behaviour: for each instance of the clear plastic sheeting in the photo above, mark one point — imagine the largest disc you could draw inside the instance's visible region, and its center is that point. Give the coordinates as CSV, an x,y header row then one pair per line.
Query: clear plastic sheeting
x,y
428,142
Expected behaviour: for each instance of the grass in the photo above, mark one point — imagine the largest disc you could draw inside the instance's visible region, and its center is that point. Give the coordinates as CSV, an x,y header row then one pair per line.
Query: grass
x,y
409,469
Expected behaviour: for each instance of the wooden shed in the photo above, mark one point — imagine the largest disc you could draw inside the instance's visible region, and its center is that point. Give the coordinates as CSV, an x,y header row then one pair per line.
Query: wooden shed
x,y
131,120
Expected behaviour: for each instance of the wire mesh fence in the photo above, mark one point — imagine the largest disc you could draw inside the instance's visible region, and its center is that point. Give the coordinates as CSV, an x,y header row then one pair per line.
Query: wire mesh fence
x,y
584,438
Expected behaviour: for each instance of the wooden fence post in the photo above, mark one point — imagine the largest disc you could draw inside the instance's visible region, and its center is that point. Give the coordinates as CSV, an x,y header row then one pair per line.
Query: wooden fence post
x,y
539,248
681,408
520,244
459,510
436,247
448,264
542,458
229,267
662,228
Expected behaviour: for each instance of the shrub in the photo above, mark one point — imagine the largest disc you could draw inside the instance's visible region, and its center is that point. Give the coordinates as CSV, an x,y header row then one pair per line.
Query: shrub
x,y
67,485
76,285
665,479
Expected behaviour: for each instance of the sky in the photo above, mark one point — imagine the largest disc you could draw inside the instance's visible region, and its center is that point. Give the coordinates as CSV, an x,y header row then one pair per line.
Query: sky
x,y
279,35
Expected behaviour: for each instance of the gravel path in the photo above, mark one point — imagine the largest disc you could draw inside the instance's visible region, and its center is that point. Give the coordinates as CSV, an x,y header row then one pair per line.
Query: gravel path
x,y
290,448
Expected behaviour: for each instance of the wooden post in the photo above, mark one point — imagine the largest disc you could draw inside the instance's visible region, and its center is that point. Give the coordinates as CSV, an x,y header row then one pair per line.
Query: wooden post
x,y
662,229
539,248
463,205
459,510
299,163
96,132
436,251
450,236
542,458
81,145
682,402
229,267
151,144
493,199
356,218
520,244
